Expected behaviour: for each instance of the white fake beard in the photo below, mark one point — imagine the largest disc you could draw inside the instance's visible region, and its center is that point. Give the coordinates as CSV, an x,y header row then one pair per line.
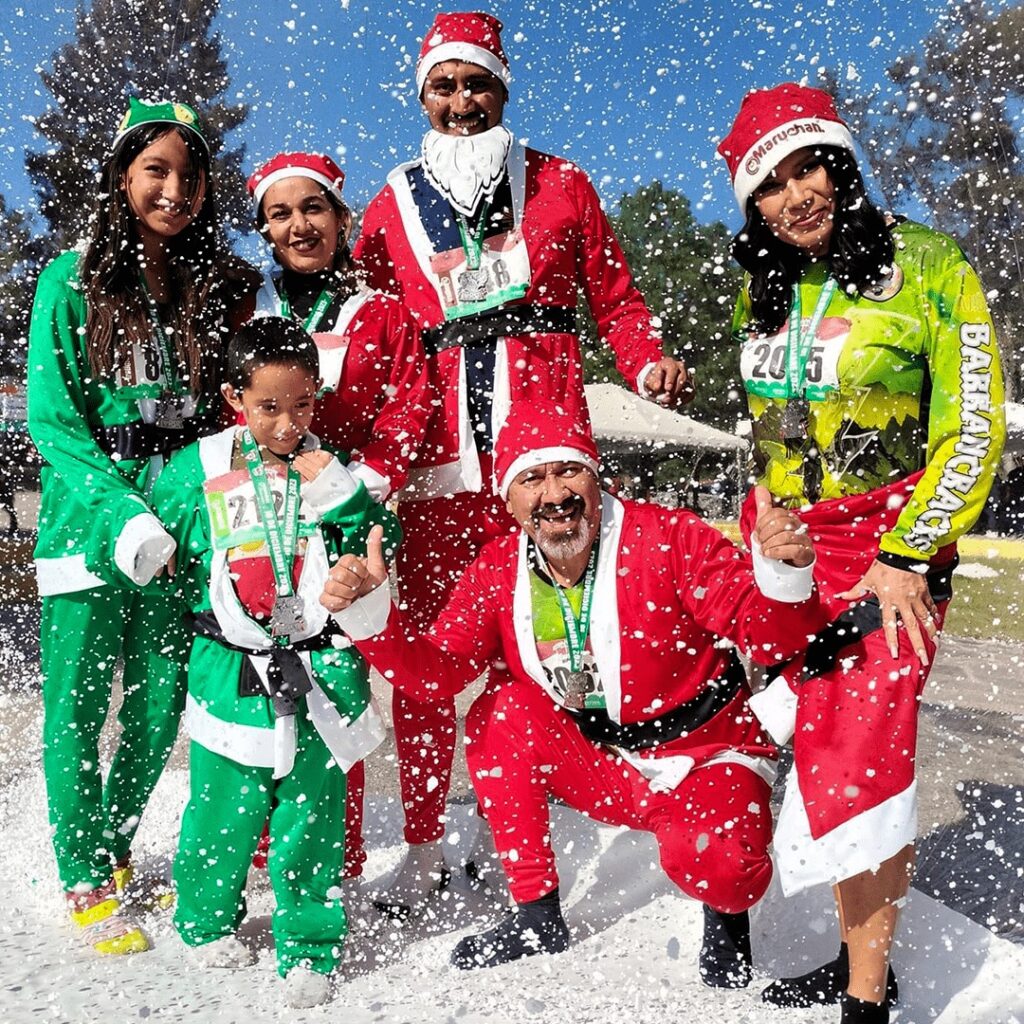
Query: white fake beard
x,y
466,168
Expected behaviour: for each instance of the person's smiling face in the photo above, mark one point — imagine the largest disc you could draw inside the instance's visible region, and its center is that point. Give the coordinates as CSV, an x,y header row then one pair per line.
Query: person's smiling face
x,y
463,99
302,224
160,187
278,405
798,202
558,504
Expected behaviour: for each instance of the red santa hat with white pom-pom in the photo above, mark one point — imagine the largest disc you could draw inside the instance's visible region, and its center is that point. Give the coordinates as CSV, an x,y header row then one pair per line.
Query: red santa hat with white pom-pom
x,y
470,36
771,124
321,169
542,431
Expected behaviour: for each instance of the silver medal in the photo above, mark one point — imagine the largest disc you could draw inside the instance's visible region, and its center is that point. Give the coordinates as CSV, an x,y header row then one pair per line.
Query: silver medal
x,y
577,686
287,618
795,419
473,285
169,415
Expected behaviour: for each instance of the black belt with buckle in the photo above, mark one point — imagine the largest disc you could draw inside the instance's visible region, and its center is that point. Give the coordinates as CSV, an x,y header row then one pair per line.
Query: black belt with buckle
x,y
486,328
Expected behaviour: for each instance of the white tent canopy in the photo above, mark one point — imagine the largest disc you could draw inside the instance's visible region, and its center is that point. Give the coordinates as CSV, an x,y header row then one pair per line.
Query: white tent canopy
x,y
620,416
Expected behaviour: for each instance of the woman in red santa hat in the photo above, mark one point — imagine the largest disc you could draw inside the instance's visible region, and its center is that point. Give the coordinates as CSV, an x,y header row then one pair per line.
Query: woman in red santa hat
x,y
872,375
489,243
373,373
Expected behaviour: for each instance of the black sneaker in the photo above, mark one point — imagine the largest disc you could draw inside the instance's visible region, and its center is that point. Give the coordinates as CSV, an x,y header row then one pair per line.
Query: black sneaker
x,y
725,960
824,986
533,928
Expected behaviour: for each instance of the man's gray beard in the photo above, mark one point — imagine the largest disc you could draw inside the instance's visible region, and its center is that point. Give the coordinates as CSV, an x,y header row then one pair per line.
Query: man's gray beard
x,y
566,546
466,168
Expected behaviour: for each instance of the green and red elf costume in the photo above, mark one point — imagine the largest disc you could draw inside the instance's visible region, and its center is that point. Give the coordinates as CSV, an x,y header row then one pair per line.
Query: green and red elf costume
x,y
103,440
278,709
879,415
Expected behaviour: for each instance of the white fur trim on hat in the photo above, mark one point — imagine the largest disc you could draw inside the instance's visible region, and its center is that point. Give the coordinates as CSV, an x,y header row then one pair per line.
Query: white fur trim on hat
x,y
537,457
294,172
468,52
776,145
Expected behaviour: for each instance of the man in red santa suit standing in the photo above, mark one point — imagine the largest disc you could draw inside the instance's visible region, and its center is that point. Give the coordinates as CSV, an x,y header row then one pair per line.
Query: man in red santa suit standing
x,y
487,243
609,689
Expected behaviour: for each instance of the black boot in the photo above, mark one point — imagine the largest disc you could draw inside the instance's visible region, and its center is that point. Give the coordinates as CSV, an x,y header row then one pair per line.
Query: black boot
x,y
857,1011
535,927
725,952
822,986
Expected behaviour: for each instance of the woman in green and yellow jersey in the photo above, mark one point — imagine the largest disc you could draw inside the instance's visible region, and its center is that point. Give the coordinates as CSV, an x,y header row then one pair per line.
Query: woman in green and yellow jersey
x,y
872,376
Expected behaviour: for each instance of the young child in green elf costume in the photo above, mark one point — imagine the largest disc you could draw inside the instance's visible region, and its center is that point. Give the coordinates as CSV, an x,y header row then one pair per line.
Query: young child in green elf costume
x,y
123,369
278,705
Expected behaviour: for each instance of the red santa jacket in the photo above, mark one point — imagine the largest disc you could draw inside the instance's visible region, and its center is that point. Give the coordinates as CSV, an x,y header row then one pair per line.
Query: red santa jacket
x,y
570,246
374,369
668,588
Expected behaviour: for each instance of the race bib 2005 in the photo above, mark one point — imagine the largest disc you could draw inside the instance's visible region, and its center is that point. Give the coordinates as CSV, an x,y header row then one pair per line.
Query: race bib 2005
x,y
763,362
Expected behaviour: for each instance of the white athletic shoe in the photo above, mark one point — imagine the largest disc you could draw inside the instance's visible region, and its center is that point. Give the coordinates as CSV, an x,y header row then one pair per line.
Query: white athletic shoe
x,y
227,952
304,988
422,875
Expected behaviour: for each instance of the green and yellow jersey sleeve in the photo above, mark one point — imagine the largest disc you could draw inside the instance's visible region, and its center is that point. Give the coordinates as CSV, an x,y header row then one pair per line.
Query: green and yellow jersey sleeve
x,y
901,378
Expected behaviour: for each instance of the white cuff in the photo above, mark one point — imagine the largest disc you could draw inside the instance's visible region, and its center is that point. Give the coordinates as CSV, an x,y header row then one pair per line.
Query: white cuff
x,y
779,581
379,486
332,486
640,378
775,708
142,547
368,616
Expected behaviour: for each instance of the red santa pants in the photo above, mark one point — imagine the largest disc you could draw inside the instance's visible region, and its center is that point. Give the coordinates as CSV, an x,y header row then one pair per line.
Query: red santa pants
x,y
522,749
441,537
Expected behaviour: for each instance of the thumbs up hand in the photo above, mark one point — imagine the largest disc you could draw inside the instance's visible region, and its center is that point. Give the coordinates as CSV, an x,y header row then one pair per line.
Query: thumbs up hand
x,y
352,577
780,533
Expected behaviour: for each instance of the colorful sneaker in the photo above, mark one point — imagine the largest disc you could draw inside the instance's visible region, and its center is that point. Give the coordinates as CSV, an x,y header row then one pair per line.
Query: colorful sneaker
x,y
146,893
104,927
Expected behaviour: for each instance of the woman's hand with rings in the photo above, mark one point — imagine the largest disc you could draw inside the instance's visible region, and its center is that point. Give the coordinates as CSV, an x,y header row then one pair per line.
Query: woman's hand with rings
x,y
903,596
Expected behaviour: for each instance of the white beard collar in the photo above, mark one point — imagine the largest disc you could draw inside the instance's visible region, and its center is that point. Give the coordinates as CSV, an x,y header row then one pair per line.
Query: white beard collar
x,y
466,168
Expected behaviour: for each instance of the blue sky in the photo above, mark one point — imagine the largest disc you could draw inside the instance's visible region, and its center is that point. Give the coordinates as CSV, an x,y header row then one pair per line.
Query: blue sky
x,y
631,91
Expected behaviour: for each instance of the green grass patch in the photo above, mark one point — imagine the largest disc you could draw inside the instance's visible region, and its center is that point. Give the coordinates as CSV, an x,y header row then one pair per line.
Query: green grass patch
x,y
987,606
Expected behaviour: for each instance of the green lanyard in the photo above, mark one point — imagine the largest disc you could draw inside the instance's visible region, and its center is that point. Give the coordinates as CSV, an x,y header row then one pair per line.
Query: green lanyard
x,y
576,630
167,353
473,240
281,541
316,314
798,341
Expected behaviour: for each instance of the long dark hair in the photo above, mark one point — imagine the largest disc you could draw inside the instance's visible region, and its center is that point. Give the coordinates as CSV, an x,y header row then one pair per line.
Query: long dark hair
x,y
860,252
117,317
344,266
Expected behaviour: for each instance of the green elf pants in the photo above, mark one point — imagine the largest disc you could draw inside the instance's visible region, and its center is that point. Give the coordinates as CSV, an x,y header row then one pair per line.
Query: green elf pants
x,y
228,806
81,637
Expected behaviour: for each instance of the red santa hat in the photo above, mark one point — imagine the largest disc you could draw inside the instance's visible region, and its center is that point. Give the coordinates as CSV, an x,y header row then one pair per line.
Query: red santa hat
x,y
540,431
321,169
469,36
771,124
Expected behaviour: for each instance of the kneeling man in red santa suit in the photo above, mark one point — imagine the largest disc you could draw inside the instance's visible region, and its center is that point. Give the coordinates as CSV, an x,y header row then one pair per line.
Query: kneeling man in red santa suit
x,y
609,689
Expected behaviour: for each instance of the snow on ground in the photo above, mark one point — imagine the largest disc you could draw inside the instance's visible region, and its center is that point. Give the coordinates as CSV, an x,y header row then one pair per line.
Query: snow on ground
x,y
633,956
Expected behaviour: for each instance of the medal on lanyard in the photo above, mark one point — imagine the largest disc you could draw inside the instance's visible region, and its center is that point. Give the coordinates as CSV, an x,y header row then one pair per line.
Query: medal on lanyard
x,y
316,314
473,281
578,683
799,342
286,618
170,415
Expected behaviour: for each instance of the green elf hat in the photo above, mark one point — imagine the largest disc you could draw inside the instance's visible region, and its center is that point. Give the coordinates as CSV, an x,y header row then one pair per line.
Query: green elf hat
x,y
140,113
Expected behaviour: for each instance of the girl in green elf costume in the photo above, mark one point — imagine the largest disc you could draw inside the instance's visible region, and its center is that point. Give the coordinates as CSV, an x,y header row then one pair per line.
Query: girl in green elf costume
x,y
123,369
278,706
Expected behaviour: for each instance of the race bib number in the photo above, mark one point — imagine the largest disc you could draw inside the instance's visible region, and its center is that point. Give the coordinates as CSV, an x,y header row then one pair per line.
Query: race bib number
x,y
142,374
503,276
763,362
232,511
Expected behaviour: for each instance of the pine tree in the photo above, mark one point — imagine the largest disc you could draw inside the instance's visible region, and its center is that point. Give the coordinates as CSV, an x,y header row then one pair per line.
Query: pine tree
x,y
684,272
17,270
946,139
153,49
